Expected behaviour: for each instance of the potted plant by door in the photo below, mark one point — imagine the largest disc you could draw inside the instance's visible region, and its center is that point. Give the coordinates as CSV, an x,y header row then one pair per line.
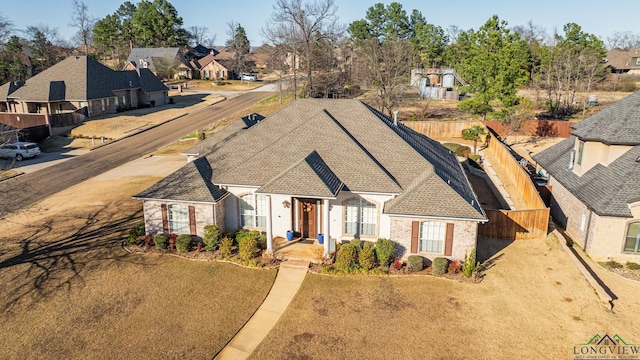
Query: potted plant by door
x,y
289,235
321,239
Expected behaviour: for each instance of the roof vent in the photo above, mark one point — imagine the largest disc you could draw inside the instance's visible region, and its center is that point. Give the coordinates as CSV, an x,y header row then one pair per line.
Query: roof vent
x,y
638,159
395,118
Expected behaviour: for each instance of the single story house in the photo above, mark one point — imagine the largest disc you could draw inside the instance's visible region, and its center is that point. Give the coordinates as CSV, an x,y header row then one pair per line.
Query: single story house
x,y
210,68
323,166
595,181
77,86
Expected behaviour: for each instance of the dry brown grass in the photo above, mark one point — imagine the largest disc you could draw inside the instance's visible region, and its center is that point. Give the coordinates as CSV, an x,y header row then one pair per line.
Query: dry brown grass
x,y
116,126
70,290
176,148
520,310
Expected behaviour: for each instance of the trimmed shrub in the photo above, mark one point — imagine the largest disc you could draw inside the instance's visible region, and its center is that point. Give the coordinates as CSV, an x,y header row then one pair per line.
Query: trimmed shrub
x,y
247,247
455,267
369,244
367,257
633,266
346,257
463,151
261,240
161,240
136,231
211,237
415,263
183,242
384,250
357,243
440,265
470,265
226,246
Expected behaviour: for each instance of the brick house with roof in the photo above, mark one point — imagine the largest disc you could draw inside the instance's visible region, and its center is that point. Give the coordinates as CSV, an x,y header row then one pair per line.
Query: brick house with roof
x,y
78,84
319,166
595,177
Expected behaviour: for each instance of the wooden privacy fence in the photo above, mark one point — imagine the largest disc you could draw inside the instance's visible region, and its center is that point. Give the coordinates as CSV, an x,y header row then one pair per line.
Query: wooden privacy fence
x,y
441,129
453,129
515,224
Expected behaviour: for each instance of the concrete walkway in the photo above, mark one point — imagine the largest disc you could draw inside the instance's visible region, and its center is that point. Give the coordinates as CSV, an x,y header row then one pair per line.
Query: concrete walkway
x,y
290,277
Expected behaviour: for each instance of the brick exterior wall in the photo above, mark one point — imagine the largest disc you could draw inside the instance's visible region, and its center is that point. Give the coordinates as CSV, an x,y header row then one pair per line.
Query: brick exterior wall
x,y
464,237
604,235
204,216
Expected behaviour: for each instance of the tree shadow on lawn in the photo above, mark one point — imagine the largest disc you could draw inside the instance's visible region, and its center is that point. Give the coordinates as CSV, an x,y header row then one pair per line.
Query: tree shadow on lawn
x,y
63,263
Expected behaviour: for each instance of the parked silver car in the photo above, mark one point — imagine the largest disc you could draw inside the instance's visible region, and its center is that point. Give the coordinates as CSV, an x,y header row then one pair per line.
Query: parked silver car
x,y
248,77
19,150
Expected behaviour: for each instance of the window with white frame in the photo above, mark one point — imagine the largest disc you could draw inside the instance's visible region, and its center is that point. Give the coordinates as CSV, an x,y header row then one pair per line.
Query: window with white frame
x,y
632,243
253,210
178,219
360,218
580,152
432,236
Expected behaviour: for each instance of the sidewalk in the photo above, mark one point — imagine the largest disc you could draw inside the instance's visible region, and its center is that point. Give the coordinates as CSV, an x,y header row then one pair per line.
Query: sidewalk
x,y
290,277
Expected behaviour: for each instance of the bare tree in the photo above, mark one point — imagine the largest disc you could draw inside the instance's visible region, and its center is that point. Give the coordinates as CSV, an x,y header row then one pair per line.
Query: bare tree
x,y
81,20
625,40
308,22
284,39
385,65
200,35
5,30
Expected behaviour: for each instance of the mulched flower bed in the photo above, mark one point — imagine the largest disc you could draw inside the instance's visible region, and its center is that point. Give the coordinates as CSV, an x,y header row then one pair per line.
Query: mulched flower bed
x,y
625,272
267,262
392,271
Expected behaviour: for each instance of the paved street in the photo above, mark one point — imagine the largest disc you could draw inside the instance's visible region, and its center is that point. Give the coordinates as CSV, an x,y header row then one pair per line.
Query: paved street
x,y
29,188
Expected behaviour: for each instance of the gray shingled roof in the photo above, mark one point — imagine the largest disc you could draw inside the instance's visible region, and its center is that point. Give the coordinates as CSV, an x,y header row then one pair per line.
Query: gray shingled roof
x,y
148,54
80,78
606,189
315,147
617,124
190,183
310,177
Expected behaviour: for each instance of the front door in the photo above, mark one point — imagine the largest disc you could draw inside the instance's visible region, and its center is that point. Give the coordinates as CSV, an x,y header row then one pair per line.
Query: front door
x,y
307,218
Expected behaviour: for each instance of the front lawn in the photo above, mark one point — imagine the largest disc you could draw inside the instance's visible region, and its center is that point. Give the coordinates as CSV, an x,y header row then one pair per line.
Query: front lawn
x,y
532,303
71,291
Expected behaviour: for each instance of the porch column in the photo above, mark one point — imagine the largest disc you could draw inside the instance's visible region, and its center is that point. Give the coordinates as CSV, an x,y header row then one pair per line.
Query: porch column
x,y
325,228
269,228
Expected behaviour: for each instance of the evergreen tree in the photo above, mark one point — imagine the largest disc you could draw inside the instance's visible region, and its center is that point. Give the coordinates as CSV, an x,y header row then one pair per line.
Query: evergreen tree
x,y
239,44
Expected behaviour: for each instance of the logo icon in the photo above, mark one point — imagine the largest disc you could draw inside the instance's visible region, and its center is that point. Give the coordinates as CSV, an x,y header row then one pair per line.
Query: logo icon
x,y
606,347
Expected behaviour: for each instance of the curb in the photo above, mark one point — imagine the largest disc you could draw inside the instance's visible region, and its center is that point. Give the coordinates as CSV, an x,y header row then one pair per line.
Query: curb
x,y
605,294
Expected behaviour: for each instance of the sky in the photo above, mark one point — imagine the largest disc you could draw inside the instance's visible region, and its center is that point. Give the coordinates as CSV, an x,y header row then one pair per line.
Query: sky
x,y
594,16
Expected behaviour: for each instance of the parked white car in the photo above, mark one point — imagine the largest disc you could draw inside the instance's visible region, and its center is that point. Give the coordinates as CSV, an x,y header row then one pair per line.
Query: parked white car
x,y
19,150
248,77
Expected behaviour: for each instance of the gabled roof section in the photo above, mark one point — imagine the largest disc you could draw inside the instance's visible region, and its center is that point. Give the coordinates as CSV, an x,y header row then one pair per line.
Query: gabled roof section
x,y
310,177
7,89
618,124
190,183
140,56
431,197
608,190
363,148
80,78
276,143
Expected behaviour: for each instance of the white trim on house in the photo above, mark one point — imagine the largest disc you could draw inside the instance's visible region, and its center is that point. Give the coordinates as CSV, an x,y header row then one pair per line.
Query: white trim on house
x,y
183,201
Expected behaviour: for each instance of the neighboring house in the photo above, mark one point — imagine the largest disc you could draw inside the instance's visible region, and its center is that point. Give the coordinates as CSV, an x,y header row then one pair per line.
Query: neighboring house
x,y
210,68
318,166
623,61
73,88
261,56
595,181
159,60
